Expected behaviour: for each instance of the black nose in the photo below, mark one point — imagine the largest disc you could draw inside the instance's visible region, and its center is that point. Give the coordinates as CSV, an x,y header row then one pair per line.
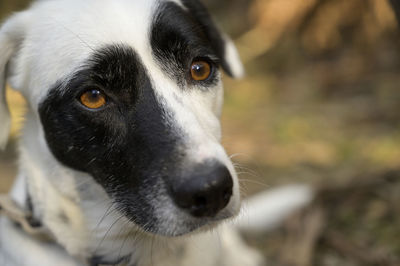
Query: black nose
x,y
204,192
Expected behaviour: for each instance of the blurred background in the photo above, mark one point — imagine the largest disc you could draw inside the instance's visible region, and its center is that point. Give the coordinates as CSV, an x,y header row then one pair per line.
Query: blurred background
x,y
320,105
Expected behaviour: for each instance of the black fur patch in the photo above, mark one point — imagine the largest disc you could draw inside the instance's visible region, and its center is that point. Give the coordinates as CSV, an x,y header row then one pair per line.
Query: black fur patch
x,y
129,145
179,37
214,36
31,219
99,261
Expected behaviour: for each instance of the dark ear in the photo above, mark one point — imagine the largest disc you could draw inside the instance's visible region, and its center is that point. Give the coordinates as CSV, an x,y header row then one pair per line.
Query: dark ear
x,y
222,44
11,35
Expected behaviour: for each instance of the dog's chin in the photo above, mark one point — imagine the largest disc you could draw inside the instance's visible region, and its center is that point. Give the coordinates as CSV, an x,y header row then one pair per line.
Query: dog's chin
x,y
182,225
178,223
192,227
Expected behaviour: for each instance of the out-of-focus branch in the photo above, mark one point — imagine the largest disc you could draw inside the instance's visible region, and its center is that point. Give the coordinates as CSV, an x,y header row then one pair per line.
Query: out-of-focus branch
x,y
273,19
396,6
320,25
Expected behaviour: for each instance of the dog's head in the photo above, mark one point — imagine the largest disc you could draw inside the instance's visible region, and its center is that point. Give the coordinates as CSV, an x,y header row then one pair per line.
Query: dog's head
x,y
129,92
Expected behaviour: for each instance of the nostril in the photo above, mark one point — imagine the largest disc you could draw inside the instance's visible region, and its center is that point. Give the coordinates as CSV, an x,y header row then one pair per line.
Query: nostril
x,y
200,201
199,206
227,194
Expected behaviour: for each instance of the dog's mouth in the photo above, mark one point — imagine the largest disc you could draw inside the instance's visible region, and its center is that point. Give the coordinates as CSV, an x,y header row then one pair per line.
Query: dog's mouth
x,y
176,223
181,223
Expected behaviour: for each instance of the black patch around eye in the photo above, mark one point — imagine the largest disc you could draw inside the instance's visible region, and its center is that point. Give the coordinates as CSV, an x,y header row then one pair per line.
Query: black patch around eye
x,y
176,40
127,146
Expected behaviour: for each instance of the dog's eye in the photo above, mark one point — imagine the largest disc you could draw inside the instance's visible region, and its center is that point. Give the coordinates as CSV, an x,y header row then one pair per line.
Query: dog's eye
x,y
200,70
93,99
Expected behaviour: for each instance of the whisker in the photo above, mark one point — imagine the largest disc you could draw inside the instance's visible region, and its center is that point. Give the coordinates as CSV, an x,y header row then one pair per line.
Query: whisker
x,y
248,170
107,212
124,227
254,182
108,231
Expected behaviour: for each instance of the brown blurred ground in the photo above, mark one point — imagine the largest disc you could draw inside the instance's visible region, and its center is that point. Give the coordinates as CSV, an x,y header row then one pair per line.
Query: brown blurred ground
x,y
320,102
8,162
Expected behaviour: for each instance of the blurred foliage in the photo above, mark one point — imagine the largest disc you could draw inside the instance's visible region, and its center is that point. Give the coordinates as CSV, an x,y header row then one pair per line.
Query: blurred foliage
x,y
7,7
354,223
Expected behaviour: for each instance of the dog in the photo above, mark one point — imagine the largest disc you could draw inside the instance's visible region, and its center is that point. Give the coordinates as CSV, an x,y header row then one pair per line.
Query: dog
x,y
120,160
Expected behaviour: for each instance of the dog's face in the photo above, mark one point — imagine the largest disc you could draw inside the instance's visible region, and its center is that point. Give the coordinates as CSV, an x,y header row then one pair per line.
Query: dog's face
x,y
129,92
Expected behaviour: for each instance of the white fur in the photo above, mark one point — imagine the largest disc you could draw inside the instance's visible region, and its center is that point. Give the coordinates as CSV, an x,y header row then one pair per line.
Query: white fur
x,y
234,59
266,211
33,252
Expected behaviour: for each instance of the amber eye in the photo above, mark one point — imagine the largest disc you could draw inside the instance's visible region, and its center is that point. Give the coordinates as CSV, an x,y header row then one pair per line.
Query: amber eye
x,y
93,99
200,70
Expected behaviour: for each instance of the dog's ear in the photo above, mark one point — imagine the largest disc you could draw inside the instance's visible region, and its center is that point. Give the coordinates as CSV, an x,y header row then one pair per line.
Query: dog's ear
x,y
12,33
221,43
